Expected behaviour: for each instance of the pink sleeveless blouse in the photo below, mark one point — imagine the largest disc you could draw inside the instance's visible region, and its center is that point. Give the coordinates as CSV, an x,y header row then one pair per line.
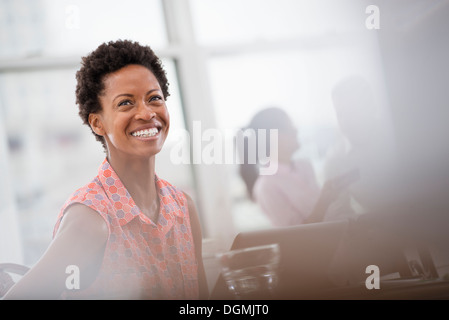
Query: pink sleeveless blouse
x,y
142,259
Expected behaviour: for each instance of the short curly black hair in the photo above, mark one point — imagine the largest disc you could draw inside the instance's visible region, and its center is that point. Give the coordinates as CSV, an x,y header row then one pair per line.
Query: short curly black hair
x,y
108,58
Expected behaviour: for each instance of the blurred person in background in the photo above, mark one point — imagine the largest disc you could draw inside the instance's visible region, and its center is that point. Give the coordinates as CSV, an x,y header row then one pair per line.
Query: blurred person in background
x,y
130,234
291,196
365,145
385,222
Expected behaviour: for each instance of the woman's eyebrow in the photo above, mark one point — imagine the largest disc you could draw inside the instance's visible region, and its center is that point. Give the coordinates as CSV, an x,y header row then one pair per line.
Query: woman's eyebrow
x,y
152,90
130,95
122,95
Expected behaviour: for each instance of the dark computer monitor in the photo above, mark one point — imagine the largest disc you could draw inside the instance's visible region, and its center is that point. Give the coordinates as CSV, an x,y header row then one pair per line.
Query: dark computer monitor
x,y
306,254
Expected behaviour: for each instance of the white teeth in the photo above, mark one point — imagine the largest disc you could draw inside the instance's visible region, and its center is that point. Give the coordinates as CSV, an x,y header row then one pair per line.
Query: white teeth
x,y
145,133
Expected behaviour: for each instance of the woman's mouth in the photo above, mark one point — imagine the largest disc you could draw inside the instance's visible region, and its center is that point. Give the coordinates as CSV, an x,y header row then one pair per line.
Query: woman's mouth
x,y
146,133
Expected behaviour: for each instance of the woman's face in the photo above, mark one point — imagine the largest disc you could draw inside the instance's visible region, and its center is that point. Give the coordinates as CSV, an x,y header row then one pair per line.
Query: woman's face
x,y
134,120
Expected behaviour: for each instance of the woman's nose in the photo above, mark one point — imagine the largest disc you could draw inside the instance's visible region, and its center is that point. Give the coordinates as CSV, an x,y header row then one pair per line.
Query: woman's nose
x,y
145,112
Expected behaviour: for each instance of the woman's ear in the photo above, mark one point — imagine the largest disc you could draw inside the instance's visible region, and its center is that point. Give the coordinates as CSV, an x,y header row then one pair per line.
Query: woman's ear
x,y
95,124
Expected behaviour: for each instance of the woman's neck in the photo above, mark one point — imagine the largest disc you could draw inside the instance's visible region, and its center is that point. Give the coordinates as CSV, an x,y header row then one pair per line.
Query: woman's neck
x,y
138,176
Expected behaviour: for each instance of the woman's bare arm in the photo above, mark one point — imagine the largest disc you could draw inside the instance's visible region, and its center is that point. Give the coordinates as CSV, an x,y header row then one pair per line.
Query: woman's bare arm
x,y
330,191
80,241
198,241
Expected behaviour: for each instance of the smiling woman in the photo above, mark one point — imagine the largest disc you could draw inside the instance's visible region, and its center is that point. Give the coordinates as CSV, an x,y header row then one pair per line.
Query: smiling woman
x,y
131,234
133,104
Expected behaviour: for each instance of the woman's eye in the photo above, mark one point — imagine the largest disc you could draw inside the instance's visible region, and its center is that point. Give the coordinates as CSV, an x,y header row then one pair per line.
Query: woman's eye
x,y
156,98
124,103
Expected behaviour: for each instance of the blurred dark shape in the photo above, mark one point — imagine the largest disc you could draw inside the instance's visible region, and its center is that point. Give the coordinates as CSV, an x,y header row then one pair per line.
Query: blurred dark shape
x,y
366,144
414,47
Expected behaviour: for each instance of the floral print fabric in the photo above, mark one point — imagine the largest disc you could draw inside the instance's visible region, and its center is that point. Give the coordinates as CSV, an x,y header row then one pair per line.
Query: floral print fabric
x,y
143,259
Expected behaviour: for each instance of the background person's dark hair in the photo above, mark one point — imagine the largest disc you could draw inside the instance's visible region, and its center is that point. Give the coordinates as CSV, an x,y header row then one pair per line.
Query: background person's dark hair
x,y
108,58
268,118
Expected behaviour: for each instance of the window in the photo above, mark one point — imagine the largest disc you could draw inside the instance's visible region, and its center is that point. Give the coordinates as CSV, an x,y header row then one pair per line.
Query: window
x,y
44,141
73,28
288,54
233,22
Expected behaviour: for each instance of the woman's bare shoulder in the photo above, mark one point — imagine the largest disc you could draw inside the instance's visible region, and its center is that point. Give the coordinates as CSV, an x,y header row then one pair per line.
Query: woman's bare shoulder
x,y
81,219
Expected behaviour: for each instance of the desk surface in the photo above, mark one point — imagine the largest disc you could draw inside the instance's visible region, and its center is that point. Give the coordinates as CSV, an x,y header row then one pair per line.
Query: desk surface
x,y
412,289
